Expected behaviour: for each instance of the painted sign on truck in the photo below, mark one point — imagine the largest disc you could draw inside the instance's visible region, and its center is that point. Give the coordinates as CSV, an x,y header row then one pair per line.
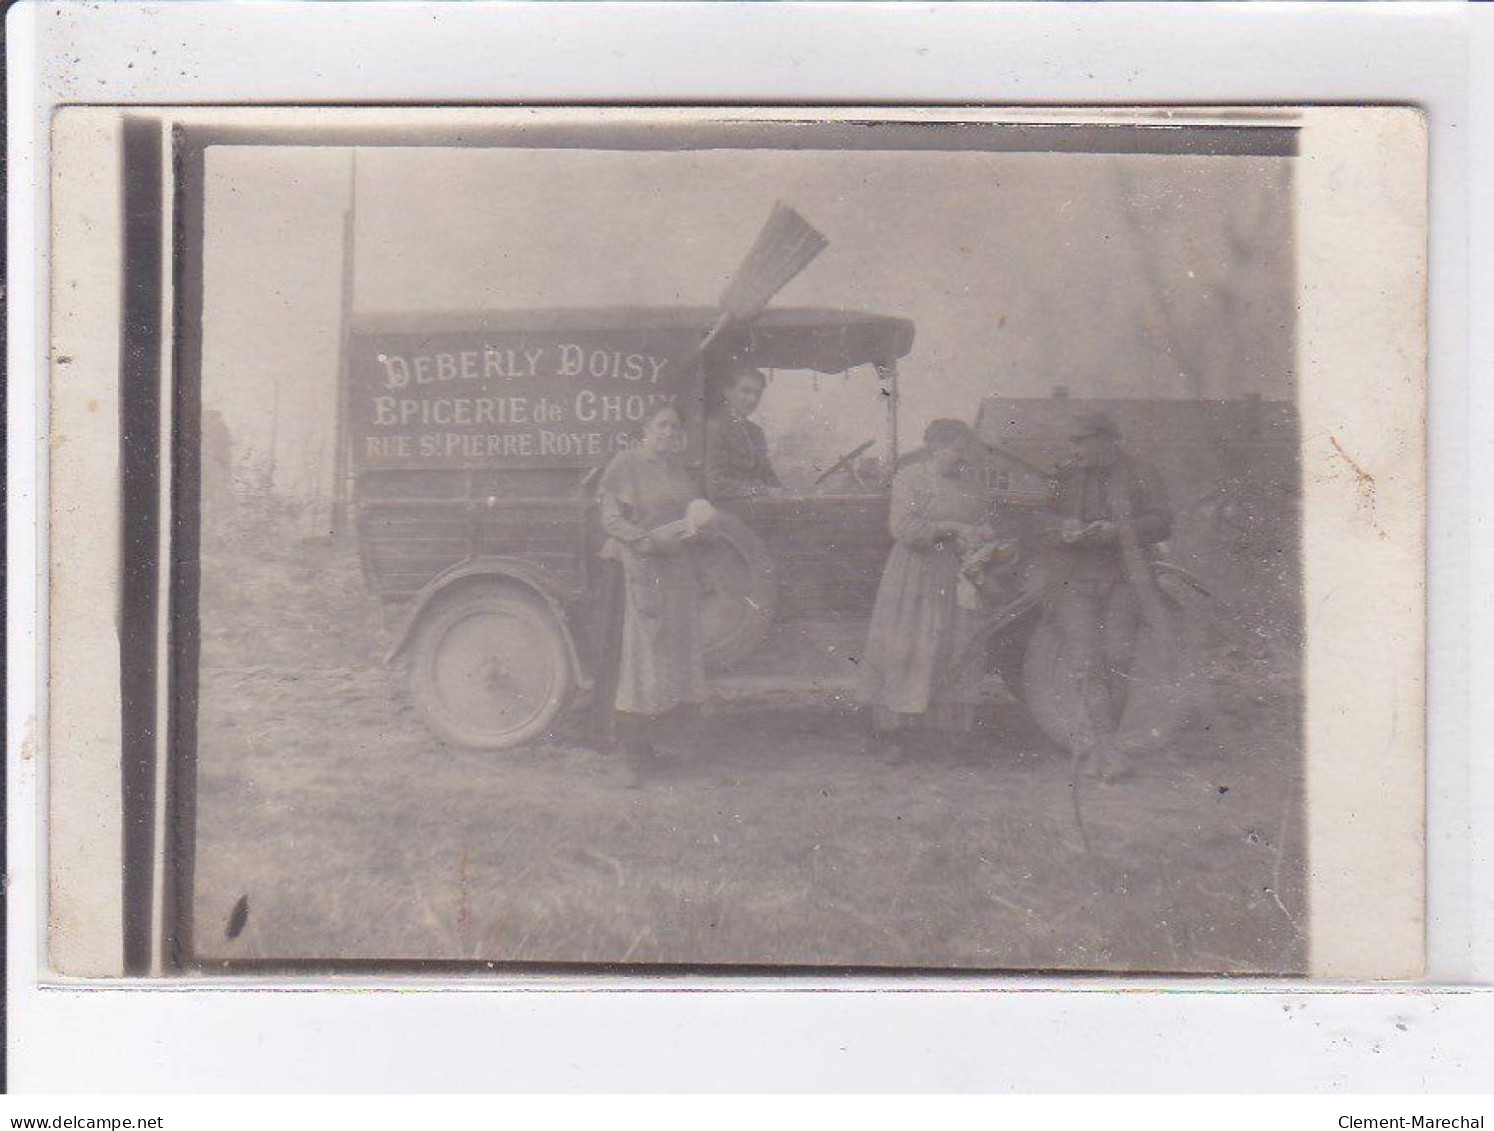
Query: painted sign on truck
x,y
511,399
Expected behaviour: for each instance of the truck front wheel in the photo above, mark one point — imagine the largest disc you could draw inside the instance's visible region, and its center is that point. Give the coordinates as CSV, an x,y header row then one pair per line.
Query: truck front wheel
x,y
490,668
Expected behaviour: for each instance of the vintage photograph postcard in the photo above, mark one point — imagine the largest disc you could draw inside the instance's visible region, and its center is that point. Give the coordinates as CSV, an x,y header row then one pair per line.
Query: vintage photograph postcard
x,y
775,540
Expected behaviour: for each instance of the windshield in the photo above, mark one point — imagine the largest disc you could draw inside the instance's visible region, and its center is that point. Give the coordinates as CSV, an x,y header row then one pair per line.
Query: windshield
x,y
813,420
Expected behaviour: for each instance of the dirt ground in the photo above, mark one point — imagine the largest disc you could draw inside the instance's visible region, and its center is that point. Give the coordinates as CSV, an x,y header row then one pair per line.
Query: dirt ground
x,y
772,839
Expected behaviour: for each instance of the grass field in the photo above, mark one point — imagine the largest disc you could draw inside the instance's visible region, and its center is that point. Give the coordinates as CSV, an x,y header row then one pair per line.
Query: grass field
x,y
772,839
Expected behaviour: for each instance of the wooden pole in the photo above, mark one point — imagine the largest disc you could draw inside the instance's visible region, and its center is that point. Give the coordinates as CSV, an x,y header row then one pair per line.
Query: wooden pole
x,y
887,375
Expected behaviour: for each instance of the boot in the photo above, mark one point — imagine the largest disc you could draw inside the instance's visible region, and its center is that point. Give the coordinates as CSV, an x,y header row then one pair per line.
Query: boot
x,y
682,730
635,746
1110,764
970,748
635,739
894,746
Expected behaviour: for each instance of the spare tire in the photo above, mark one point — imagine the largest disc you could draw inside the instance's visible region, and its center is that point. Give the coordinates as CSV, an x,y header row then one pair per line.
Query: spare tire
x,y
738,591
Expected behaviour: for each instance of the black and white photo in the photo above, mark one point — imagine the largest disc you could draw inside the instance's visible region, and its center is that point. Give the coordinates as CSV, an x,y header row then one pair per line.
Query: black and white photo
x,y
740,541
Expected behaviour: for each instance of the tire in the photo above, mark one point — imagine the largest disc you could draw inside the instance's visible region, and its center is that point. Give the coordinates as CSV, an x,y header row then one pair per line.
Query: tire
x,y
738,592
490,668
1161,678
1050,703
1006,654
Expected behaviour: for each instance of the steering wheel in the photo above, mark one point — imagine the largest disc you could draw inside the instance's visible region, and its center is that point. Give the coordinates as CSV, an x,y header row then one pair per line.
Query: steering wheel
x,y
843,462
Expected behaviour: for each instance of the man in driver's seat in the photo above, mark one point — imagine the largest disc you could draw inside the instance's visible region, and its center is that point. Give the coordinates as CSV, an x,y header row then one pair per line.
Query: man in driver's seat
x,y
736,455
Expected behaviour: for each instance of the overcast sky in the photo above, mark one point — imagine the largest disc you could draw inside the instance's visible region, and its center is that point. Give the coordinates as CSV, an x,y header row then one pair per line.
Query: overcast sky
x,y
1114,275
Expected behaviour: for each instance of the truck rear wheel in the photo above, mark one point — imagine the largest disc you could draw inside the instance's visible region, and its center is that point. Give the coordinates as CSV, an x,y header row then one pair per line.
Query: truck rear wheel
x,y
490,668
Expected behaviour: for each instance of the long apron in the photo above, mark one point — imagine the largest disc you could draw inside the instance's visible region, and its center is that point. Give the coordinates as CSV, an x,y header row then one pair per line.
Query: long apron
x,y
918,666
660,658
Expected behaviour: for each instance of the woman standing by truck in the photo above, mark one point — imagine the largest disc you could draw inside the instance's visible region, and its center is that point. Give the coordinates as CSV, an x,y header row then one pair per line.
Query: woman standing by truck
x,y
915,672
649,512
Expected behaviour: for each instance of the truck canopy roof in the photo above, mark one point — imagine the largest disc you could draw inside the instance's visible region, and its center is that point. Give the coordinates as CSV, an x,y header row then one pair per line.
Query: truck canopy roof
x,y
824,340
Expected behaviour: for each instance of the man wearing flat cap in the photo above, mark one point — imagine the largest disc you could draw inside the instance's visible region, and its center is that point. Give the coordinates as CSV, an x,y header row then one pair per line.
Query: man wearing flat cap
x,y
1108,511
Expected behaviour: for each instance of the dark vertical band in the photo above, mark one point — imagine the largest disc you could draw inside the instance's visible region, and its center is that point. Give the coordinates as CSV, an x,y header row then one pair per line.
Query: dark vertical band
x,y
4,585
140,526
186,492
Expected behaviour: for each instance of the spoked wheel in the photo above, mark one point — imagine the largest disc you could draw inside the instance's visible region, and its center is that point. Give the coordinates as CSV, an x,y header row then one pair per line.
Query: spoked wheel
x,y
1158,685
738,591
1006,652
490,668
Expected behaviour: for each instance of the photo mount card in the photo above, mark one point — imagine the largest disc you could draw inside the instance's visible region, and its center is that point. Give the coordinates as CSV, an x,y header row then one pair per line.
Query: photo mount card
x,y
751,540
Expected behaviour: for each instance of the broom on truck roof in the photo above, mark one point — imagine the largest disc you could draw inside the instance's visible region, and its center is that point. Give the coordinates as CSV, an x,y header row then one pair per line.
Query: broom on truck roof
x,y
783,248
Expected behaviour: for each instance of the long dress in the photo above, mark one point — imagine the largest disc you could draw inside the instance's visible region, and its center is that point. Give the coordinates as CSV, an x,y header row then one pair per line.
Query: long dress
x,y
661,665
917,668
